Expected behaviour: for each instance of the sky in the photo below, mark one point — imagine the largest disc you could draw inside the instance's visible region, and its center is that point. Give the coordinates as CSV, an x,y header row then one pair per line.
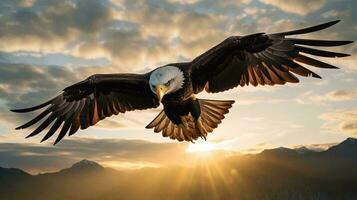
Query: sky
x,y
46,45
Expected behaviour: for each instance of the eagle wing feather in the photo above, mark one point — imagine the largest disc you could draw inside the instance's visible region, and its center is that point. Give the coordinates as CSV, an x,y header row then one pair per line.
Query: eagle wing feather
x,y
87,102
261,59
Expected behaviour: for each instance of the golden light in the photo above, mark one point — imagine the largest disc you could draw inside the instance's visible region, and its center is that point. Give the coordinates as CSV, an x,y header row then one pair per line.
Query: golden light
x,y
205,146
200,147
124,165
207,159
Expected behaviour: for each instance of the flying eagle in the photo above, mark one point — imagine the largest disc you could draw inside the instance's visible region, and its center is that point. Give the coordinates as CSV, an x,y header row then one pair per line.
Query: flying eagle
x,y
257,59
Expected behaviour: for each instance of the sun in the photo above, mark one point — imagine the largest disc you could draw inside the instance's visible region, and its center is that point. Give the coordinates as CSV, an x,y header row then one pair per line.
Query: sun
x,y
201,147
206,148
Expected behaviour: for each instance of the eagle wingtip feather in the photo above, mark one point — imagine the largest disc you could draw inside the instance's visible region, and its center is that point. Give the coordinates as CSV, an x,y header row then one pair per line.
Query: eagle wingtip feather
x,y
334,21
28,136
17,110
43,139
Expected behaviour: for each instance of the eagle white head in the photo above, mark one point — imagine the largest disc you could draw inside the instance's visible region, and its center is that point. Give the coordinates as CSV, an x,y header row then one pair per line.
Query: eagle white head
x,y
165,80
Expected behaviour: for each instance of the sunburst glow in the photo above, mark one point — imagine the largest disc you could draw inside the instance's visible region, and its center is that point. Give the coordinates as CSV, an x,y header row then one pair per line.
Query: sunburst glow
x,y
200,147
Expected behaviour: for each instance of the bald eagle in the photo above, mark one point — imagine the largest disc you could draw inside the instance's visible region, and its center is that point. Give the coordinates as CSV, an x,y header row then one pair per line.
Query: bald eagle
x,y
256,59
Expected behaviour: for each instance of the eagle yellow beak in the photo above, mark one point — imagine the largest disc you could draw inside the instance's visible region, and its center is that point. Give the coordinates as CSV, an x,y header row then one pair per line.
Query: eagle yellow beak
x,y
161,91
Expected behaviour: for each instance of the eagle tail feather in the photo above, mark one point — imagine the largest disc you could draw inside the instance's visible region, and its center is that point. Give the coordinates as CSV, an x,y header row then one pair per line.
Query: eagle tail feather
x,y
212,114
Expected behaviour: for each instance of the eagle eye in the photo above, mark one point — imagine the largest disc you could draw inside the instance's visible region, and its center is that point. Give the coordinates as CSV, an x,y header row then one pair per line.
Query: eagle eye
x,y
168,83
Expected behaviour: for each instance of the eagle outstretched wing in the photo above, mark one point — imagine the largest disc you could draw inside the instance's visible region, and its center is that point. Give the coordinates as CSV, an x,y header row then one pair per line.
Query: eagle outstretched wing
x,y
87,102
260,59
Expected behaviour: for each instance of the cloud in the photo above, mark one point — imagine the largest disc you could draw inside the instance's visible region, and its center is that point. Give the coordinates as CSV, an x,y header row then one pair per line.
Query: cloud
x,y
253,11
131,35
332,96
28,83
26,3
120,154
95,29
183,1
249,100
177,30
53,27
344,121
23,85
330,13
341,95
87,29
49,158
303,7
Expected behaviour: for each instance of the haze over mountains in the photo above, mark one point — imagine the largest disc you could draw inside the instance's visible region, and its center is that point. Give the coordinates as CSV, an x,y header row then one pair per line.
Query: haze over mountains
x,y
280,173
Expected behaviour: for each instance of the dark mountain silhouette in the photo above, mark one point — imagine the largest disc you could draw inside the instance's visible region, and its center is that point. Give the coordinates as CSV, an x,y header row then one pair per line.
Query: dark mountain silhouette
x,y
280,152
280,173
304,150
12,173
83,166
347,149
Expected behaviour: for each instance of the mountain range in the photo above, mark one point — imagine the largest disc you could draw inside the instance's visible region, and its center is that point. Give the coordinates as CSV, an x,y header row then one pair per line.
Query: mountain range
x,y
280,173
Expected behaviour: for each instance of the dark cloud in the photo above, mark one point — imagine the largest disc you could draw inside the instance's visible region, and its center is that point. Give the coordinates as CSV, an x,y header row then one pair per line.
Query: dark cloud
x,y
59,17
23,85
136,33
91,15
349,127
53,25
29,82
143,32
